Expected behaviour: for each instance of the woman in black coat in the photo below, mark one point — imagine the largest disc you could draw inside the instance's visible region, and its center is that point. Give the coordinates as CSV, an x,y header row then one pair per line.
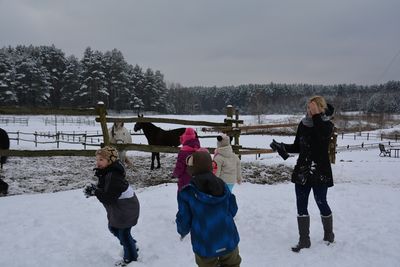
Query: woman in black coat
x,y
313,168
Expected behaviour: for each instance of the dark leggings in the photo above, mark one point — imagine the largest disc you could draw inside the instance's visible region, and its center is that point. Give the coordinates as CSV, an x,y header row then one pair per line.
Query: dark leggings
x,y
126,240
302,193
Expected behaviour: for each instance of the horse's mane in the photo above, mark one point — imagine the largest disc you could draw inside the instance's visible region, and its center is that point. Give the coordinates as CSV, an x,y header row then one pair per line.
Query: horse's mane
x,y
151,126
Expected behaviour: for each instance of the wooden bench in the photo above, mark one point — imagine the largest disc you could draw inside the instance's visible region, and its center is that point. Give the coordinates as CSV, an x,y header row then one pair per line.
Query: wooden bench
x,y
384,152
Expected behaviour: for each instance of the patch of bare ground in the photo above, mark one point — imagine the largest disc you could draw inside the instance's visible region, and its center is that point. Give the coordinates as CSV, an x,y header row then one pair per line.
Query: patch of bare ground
x,y
53,174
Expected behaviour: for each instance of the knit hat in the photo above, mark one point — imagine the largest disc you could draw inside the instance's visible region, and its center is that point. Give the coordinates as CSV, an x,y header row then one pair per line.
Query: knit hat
x,y
199,162
223,140
189,159
109,153
189,134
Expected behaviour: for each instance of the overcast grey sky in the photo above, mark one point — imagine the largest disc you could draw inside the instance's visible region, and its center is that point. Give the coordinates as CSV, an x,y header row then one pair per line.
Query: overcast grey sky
x,y
222,42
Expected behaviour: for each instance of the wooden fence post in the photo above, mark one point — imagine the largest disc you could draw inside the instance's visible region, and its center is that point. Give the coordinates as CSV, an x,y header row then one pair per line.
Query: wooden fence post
x,y
84,140
233,131
35,138
228,121
58,139
237,131
101,111
332,146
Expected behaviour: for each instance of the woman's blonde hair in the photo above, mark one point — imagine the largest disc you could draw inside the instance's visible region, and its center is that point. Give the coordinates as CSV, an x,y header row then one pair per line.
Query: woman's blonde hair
x,y
319,100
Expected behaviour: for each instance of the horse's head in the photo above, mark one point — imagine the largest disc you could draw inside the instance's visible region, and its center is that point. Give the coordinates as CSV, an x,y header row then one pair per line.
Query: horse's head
x,y
118,125
138,125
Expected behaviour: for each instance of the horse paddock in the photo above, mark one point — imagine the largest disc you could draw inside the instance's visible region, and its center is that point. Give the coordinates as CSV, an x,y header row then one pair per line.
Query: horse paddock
x,y
61,173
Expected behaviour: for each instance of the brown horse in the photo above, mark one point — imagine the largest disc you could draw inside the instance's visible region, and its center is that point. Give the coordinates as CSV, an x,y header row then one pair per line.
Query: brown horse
x,y
159,137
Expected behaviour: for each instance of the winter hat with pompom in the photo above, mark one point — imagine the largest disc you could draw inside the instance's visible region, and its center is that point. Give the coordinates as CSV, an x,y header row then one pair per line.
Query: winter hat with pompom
x,y
189,134
223,140
108,152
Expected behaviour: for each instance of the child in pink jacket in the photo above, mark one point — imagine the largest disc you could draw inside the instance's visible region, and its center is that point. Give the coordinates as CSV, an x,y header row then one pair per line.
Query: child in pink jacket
x,y
190,143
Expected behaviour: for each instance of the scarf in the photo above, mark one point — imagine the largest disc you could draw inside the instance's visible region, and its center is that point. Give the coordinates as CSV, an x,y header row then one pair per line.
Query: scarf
x,y
308,121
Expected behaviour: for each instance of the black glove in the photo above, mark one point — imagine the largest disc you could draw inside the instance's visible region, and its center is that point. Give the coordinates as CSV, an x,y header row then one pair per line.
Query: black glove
x,y
89,190
280,147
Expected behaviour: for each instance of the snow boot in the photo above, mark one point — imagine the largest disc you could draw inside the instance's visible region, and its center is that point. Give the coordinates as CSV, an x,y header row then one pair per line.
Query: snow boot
x,y
303,223
122,263
327,223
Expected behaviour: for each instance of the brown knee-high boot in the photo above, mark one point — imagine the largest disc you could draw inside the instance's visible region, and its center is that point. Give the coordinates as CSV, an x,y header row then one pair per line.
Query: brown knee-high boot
x,y
303,223
327,223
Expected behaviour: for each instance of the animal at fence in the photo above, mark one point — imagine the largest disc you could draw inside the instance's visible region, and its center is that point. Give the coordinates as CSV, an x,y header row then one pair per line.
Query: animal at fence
x,y
4,144
3,187
159,137
120,135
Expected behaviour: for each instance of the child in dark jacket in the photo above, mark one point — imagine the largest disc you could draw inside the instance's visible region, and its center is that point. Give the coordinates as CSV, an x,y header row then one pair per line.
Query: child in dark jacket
x,y
190,143
118,198
206,208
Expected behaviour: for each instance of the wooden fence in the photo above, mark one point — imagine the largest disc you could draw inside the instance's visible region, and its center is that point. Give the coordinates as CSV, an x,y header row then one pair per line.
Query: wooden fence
x,y
370,136
231,126
366,146
14,120
58,138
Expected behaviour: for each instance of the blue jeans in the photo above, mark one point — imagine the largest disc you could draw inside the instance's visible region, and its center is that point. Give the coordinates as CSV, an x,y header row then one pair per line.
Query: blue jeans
x,y
230,186
302,193
126,240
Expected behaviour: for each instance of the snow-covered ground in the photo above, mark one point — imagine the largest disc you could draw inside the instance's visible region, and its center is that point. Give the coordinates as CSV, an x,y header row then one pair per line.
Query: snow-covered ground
x,y
66,229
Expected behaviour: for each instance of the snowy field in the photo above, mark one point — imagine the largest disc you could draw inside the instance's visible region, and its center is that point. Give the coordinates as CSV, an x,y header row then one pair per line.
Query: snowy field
x,y
66,229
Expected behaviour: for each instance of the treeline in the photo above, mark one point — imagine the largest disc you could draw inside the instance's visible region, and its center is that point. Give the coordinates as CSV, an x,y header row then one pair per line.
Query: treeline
x,y
43,77
286,98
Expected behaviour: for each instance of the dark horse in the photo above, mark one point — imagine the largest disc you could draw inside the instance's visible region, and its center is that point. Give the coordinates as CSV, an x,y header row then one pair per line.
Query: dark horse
x,y
4,144
159,137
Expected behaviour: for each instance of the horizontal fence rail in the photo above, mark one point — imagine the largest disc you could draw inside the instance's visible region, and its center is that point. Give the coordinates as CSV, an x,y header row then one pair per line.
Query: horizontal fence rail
x,y
14,120
38,138
95,138
365,146
47,153
369,136
161,120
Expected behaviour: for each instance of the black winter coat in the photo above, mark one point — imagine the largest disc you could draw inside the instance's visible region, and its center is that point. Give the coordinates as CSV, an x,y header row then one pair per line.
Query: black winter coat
x,y
121,213
312,144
